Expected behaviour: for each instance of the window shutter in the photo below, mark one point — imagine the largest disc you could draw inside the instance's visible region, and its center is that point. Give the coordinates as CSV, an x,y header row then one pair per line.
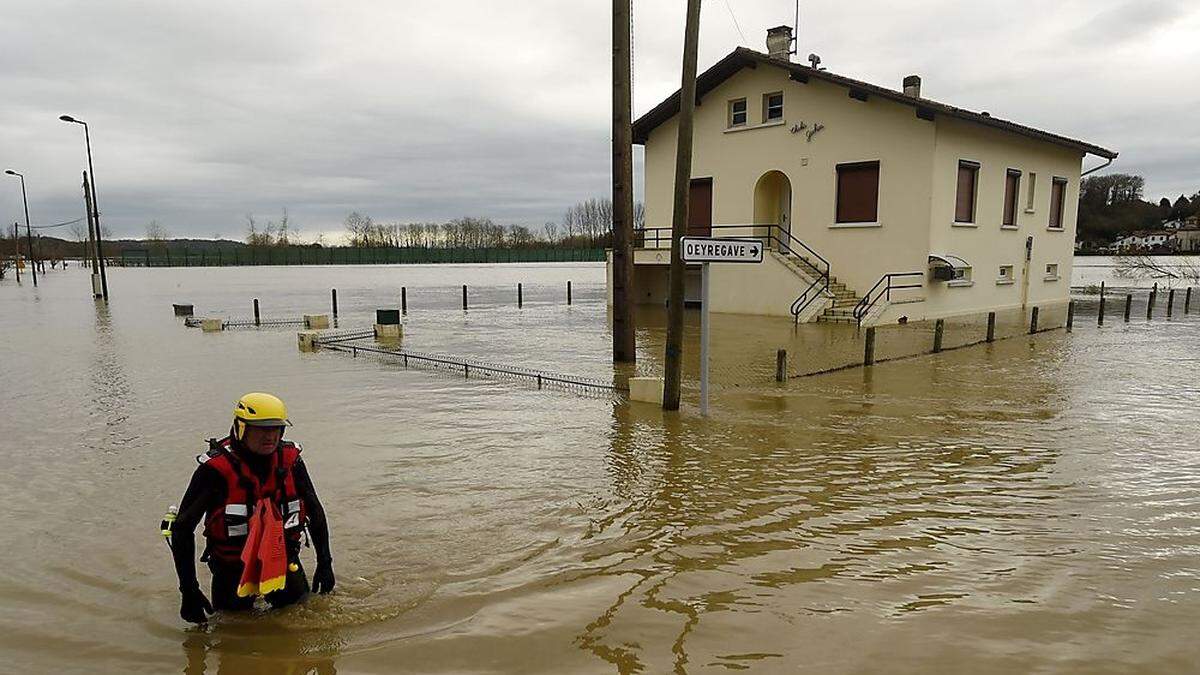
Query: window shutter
x,y
1012,188
964,203
858,192
1056,202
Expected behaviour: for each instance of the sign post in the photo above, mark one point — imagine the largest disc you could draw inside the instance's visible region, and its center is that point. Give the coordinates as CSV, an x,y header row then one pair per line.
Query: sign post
x,y
708,250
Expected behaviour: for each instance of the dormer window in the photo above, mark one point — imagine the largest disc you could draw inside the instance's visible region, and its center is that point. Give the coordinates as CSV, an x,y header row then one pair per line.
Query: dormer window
x,y
737,112
773,107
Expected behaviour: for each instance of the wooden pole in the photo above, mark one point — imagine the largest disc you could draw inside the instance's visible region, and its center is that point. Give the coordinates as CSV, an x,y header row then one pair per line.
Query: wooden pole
x,y
333,294
257,322
568,292
624,342
1150,303
1187,300
939,330
1033,321
1100,314
520,300
1170,302
781,365
464,297
404,300
673,361
869,347
991,329
1070,315
1128,305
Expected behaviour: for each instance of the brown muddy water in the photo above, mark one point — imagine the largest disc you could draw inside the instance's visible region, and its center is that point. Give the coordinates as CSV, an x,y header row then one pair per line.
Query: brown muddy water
x,y
1029,506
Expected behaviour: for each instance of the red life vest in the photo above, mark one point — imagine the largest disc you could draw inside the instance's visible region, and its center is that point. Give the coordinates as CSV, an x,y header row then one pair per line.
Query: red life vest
x,y
226,526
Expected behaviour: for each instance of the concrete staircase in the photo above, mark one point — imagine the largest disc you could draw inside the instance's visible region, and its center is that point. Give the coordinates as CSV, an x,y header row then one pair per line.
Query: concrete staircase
x,y
844,300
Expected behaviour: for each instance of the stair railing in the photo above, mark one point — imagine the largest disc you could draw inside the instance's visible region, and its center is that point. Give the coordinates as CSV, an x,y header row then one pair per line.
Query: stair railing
x,y
883,289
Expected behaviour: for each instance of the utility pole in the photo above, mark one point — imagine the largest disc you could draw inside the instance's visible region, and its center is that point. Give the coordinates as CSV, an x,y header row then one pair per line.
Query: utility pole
x,y
17,250
97,286
679,219
624,340
87,138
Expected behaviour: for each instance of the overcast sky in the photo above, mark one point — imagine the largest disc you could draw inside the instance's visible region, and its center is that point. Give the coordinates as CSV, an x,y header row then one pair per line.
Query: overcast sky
x,y
203,112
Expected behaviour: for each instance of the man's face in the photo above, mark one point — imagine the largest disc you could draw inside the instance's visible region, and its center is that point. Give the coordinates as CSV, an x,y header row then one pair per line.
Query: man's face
x,y
262,440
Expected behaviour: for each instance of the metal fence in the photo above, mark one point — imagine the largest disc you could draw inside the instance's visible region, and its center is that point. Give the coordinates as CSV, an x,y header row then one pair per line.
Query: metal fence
x,y
303,255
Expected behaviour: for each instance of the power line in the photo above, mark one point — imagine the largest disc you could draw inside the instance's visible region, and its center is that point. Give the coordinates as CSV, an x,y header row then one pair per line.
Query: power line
x,y
735,21
47,227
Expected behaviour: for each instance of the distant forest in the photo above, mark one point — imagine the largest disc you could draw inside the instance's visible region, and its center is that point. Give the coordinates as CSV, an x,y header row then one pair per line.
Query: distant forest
x,y
1113,205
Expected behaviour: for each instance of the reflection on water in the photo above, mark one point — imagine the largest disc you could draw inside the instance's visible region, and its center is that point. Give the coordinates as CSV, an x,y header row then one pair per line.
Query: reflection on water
x,y
1030,505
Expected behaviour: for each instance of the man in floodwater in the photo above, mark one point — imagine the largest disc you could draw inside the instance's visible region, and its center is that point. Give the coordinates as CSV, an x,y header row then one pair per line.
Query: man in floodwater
x,y
256,498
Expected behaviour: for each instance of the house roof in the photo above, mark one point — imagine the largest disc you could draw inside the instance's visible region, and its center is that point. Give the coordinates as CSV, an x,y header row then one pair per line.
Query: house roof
x,y
925,108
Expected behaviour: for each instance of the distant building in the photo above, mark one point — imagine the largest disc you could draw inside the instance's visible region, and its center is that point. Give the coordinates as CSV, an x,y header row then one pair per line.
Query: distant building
x,y
1188,239
1148,241
855,182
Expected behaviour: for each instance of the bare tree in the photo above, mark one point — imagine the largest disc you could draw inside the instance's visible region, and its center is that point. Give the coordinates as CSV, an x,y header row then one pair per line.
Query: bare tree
x,y
1148,267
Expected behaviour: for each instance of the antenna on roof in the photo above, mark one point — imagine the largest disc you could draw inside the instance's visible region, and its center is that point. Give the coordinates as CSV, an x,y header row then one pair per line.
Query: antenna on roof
x,y
796,31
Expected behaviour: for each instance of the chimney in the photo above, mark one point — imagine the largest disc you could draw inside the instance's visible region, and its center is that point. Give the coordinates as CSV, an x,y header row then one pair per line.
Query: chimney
x,y
779,42
912,86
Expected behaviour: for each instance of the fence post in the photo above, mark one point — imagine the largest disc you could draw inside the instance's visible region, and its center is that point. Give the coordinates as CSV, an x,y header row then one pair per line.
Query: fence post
x,y
256,320
404,300
520,299
1100,315
464,297
333,294
1187,300
1170,302
1033,320
781,365
1150,303
568,292
939,330
1070,315
991,330
869,347
1128,305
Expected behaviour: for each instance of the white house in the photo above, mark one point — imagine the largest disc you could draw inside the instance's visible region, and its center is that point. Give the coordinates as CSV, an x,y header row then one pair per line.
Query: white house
x,y
874,203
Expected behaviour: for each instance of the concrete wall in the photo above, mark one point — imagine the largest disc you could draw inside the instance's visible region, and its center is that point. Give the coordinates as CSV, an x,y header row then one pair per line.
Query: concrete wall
x,y
918,174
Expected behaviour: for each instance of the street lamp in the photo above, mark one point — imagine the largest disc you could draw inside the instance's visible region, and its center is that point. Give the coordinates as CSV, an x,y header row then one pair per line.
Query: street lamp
x,y
28,231
95,204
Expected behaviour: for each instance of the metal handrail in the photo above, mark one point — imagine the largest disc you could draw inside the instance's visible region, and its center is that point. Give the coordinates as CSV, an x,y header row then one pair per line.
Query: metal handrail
x,y
864,305
819,285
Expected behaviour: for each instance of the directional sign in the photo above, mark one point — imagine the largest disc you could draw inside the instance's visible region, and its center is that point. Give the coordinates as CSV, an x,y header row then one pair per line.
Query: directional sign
x,y
722,250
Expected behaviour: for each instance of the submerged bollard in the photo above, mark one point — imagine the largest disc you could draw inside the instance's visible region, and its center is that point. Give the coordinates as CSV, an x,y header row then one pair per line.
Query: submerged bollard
x,y
781,365
1187,300
520,299
1100,314
1033,321
991,331
256,320
869,347
333,293
1170,302
404,300
939,330
464,297
1128,305
568,292
1150,303
1070,315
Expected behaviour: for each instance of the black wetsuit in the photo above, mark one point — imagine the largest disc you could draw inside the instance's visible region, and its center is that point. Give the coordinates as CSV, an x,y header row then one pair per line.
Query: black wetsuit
x,y
206,492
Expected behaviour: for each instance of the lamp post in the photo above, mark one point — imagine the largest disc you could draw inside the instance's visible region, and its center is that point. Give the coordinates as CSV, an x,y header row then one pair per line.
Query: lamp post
x,y
87,137
28,230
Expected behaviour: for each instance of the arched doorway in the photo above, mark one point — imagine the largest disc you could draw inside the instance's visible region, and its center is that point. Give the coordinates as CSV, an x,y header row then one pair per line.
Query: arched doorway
x,y
773,203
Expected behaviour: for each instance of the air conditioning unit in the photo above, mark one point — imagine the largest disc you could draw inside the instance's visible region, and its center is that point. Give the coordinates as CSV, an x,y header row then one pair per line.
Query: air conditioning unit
x,y
943,273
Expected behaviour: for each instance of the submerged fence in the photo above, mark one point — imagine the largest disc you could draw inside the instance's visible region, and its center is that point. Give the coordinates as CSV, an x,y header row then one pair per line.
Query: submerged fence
x,y
303,255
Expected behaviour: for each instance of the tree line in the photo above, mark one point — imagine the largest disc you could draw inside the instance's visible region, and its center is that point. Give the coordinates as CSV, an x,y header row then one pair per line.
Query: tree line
x,y
1113,205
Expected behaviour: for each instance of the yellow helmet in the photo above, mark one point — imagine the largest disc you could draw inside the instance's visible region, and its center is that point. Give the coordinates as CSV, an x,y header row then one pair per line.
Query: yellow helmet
x,y
258,410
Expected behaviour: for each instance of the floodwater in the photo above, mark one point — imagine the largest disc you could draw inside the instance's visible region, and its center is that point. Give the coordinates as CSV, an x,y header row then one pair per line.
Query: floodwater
x,y
1027,506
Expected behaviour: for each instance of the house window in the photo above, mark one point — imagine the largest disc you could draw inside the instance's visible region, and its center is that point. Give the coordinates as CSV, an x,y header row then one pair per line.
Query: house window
x,y
1057,190
772,107
858,192
1012,192
964,202
960,276
1031,192
737,113
1006,275
1052,272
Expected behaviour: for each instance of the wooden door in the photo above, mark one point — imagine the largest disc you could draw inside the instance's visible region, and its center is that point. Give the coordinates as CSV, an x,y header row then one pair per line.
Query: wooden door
x,y
700,207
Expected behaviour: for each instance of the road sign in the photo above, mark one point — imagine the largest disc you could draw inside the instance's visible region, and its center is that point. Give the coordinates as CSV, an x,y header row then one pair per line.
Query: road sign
x,y
721,250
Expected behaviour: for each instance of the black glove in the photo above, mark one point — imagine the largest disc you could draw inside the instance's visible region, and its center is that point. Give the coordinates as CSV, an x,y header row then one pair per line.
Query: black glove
x,y
322,581
195,607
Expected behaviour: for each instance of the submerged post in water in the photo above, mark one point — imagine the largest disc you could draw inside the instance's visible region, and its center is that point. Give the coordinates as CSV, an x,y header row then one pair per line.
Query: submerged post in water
x,y
404,300
1170,302
781,365
869,347
568,292
1033,320
703,335
1128,305
520,299
991,329
939,329
1187,300
1150,303
257,322
333,293
1070,315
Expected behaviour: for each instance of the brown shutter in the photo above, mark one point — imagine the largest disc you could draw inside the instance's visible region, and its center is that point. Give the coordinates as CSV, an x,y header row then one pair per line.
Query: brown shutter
x,y
964,203
1056,202
1012,188
858,192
